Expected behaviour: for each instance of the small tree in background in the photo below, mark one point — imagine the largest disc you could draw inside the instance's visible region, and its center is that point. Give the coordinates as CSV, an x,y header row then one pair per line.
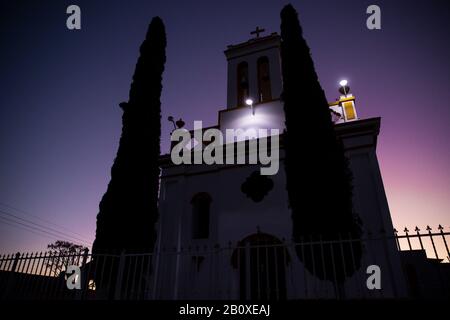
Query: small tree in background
x,y
319,181
62,254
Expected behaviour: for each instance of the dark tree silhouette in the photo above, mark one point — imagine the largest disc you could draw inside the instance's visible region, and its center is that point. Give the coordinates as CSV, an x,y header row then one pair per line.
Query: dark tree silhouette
x,y
319,182
128,209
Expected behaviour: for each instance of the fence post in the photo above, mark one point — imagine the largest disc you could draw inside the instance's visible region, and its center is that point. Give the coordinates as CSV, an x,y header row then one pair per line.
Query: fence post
x,y
118,289
16,261
440,228
11,277
432,242
396,239
419,236
247,272
85,276
407,238
155,276
85,256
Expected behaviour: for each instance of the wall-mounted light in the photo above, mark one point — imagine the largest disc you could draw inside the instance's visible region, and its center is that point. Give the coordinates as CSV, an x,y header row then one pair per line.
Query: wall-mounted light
x,y
249,102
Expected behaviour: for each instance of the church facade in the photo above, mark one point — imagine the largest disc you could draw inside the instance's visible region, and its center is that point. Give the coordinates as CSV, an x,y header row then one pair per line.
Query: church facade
x,y
212,217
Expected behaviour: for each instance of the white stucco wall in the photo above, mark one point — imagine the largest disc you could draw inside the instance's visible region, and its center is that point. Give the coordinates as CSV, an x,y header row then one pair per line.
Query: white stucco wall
x,y
266,116
235,216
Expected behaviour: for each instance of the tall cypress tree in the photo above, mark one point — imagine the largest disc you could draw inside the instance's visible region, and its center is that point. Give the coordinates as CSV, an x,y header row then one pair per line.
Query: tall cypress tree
x,y
129,209
319,182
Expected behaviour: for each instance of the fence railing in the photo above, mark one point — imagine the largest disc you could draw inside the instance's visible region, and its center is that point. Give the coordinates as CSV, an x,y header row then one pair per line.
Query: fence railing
x,y
257,270
433,243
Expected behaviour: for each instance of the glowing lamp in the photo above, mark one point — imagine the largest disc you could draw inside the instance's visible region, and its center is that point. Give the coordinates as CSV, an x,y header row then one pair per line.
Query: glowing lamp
x,y
344,89
249,102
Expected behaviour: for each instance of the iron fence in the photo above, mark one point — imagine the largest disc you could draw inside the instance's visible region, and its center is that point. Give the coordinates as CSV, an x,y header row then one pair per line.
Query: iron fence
x,y
412,265
434,244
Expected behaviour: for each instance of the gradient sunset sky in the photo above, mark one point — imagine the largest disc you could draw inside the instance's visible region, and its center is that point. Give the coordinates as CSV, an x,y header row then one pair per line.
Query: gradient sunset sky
x,y
59,93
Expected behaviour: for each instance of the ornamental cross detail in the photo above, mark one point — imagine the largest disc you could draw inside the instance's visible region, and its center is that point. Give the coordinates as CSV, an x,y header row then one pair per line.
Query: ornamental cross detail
x,y
257,31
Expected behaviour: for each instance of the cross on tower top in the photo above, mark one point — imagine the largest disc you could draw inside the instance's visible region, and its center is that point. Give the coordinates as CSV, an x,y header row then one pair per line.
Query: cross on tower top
x,y
257,31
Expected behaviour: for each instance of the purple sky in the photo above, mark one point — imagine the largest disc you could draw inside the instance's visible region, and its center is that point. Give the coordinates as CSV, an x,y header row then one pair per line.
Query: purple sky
x,y
59,91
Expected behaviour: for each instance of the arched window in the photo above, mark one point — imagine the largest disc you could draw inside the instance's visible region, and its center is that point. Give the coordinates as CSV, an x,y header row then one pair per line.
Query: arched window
x,y
242,83
201,203
264,89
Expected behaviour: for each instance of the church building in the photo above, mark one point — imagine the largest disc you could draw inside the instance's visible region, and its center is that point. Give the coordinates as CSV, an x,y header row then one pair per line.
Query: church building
x,y
213,216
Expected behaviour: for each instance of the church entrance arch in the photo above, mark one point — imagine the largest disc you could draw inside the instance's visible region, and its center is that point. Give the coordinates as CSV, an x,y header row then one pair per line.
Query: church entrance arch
x,y
261,260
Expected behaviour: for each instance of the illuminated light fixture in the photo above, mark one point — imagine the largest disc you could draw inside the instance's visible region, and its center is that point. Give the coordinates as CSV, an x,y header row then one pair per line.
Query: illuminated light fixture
x,y
249,102
344,89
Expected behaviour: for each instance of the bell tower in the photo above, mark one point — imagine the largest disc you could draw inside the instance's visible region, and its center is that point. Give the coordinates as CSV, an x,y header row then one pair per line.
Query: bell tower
x,y
254,84
254,70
